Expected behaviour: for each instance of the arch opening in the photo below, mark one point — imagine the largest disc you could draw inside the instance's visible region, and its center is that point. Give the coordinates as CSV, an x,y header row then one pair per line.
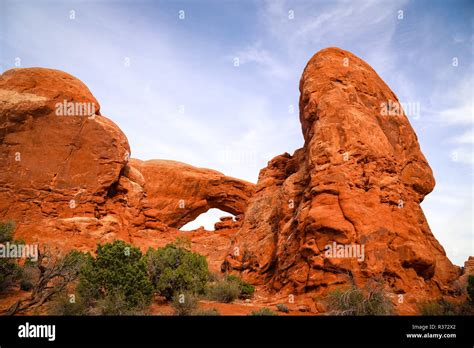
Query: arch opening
x,y
207,220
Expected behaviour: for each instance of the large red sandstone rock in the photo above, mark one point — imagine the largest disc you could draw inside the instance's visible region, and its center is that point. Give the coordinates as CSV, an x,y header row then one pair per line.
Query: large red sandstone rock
x,y
358,180
53,163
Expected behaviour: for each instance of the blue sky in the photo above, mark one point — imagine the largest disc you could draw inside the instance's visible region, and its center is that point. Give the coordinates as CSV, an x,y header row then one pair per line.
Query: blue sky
x,y
171,84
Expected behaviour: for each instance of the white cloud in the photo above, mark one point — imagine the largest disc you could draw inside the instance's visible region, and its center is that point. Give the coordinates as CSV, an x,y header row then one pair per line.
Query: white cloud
x,y
268,64
452,105
465,138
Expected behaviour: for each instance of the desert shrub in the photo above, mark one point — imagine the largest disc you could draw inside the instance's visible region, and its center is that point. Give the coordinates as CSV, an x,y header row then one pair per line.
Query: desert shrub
x,y
47,277
371,300
470,288
116,304
214,277
184,303
207,312
246,289
117,274
223,291
67,304
28,275
444,307
6,231
175,269
440,307
282,308
263,312
9,270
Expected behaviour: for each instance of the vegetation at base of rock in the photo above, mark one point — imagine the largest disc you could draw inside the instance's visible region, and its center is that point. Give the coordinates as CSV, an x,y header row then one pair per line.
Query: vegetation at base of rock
x,y
6,231
117,304
370,300
184,303
444,307
117,270
47,277
176,269
282,308
246,289
8,267
223,291
67,304
470,288
263,312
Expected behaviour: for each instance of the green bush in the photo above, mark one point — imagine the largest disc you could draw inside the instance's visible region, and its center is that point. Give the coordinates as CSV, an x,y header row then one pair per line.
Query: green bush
x,y
470,288
6,231
246,289
184,303
67,304
223,291
118,270
116,304
175,269
371,300
282,308
443,307
9,270
263,312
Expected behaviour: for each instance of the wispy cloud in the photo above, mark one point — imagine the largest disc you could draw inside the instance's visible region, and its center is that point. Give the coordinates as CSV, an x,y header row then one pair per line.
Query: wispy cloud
x,y
266,61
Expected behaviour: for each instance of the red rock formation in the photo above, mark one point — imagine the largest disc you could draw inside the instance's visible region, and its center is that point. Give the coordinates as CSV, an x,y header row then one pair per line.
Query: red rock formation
x,y
58,155
358,181
66,179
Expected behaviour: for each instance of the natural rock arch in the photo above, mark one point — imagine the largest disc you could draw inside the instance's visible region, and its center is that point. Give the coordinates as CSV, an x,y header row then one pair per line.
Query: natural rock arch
x,y
177,193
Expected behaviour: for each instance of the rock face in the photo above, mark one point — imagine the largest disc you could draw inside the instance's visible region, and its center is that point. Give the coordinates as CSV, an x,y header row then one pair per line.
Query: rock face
x,y
57,152
357,182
